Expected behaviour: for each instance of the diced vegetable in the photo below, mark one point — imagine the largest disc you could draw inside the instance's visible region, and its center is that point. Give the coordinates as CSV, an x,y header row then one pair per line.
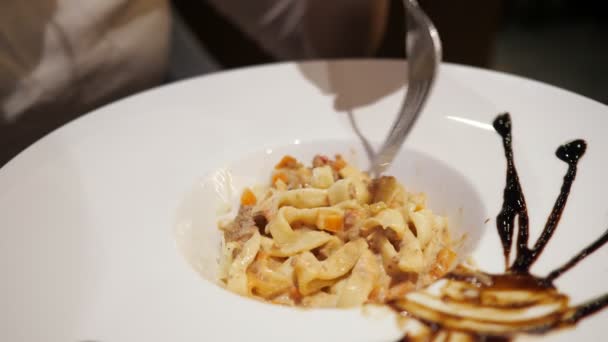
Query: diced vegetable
x,y
248,198
287,162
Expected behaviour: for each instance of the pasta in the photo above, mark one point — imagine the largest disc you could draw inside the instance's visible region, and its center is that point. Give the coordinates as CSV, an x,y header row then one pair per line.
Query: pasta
x,y
330,236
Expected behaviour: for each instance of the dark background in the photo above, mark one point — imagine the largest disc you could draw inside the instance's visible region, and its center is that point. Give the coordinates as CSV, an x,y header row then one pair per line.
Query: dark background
x,y
561,42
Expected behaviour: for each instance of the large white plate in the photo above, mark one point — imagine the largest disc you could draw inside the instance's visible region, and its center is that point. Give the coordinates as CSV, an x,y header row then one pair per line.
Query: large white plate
x,y
87,247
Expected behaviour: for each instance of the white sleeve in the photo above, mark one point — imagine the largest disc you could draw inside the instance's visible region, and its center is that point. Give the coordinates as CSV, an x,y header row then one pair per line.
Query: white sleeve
x,y
83,53
296,29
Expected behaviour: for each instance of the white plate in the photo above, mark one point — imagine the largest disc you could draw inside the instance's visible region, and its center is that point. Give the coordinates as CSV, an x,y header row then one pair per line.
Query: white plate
x,y
87,214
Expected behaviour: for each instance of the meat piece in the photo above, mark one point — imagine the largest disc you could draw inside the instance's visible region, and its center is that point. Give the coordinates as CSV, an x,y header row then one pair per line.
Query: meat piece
x,y
243,226
386,189
320,160
336,166
353,219
260,222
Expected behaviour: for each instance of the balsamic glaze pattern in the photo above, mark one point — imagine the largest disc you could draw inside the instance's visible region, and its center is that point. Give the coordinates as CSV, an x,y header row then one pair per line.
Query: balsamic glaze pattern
x,y
517,289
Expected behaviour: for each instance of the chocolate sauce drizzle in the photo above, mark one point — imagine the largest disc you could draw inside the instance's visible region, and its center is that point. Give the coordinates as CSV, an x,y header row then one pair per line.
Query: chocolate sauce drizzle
x,y
514,204
517,275
578,257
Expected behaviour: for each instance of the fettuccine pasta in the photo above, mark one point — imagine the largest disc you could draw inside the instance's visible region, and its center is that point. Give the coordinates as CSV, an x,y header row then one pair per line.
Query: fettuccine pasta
x,y
329,236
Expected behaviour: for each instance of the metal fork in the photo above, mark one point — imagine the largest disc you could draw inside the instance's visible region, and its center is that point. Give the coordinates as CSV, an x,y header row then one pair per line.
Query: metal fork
x,y
423,49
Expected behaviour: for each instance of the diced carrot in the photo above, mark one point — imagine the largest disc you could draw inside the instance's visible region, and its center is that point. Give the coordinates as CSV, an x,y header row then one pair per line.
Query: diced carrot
x,y
445,259
333,223
280,175
339,164
287,162
248,198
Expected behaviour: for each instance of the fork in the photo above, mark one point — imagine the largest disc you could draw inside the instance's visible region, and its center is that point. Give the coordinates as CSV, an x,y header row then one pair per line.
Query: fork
x,y
423,49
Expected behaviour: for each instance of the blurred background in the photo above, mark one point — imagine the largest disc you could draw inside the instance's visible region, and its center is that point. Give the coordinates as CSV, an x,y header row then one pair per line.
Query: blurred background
x,y
560,42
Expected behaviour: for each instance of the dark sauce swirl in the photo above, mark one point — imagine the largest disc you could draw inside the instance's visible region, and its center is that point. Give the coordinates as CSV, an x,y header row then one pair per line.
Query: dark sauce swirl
x,y
514,203
442,325
571,154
